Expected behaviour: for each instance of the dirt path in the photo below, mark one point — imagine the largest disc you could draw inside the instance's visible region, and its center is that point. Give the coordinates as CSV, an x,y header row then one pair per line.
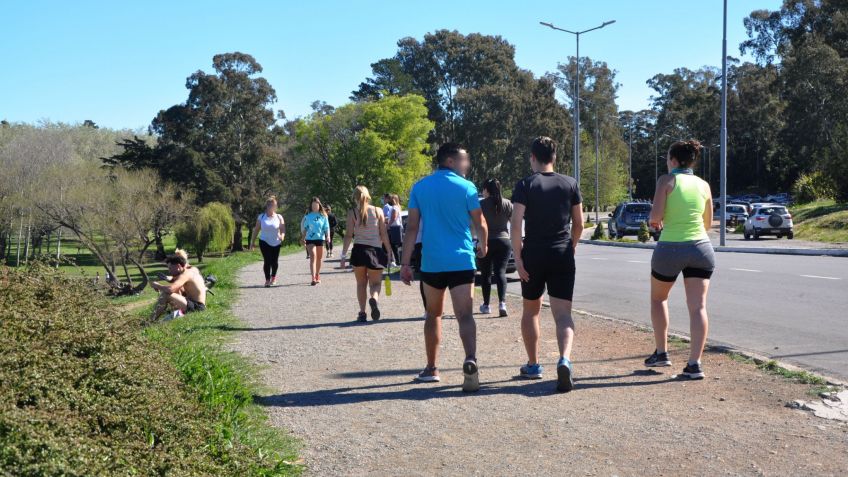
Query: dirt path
x,y
346,389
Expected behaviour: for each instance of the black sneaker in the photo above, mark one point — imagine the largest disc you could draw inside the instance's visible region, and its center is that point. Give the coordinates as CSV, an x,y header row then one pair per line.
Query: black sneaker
x,y
362,317
375,310
692,371
658,360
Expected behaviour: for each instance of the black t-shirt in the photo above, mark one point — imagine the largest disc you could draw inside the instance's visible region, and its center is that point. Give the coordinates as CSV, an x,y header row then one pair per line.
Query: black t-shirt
x,y
333,221
547,198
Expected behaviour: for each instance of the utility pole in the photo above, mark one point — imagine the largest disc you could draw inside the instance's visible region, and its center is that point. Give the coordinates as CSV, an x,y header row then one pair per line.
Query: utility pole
x,y
723,152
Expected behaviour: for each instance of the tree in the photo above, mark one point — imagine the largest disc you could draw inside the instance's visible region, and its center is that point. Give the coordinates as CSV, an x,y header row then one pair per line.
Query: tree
x,y
220,141
210,230
380,144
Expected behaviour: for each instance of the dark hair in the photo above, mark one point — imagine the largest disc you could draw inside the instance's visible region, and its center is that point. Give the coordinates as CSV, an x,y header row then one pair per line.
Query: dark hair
x,y
321,209
176,259
447,150
544,149
687,153
493,187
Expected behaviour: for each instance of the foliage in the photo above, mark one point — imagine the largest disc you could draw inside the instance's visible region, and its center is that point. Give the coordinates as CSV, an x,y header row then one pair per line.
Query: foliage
x,y
599,233
823,221
210,230
812,187
379,144
84,393
644,233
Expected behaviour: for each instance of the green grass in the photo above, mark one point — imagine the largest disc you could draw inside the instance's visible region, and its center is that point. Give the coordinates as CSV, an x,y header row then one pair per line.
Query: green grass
x,y
822,221
225,382
818,384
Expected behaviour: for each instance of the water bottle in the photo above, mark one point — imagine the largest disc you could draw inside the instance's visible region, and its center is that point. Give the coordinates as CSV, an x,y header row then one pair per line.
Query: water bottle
x,y
388,280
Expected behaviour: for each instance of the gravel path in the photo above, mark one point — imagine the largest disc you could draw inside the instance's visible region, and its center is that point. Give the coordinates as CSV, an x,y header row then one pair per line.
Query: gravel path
x,y
346,389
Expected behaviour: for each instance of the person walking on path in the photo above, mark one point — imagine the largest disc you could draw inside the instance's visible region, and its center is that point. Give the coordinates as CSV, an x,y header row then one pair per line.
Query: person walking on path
x,y
497,212
395,222
315,230
271,229
683,211
546,202
366,227
387,204
449,203
334,224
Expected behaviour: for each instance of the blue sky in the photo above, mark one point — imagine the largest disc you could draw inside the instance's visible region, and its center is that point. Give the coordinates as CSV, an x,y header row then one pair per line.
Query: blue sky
x,y
119,63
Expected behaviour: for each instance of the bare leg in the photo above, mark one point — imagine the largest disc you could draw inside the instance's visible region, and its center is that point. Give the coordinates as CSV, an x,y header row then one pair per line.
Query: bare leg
x,y
375,283
463,304
310,249
433,323
160,306
696,300
361,274
319,260
530,329
659,312
561,310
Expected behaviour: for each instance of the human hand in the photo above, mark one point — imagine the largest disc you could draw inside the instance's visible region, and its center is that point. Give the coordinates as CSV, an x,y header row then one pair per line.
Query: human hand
x,y
522,272
406,275
482,250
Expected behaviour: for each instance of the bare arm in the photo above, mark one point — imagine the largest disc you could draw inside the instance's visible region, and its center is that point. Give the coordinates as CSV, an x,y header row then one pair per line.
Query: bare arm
x,y
256,230
282,229
384,234
482,231
516,238
413,222
664,186
708,209
174,286
351,222
577,221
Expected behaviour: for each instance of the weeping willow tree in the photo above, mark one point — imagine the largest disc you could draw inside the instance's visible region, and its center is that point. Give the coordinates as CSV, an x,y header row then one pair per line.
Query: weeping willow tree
x,y
211,230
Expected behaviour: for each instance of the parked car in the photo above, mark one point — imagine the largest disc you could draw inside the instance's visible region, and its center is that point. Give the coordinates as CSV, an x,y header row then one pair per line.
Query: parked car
x,y
770,219
627,218
733,213
781,198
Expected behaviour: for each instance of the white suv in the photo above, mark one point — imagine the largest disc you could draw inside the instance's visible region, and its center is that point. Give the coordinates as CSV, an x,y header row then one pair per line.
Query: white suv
x,y
771,219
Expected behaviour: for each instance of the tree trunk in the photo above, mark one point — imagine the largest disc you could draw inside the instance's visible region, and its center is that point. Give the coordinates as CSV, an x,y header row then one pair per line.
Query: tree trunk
x,y
3,241
160,248
18,248
126,270
144,278
27,242
237,238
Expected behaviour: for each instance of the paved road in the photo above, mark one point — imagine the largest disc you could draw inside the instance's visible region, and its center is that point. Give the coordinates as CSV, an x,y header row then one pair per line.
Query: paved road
x,y
788,307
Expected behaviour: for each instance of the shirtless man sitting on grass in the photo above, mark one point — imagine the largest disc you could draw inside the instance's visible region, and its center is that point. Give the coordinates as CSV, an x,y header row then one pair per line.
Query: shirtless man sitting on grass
x,y
186,290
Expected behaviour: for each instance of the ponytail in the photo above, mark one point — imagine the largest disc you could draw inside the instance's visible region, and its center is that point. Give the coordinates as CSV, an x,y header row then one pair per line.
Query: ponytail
x,y
493,187
361,199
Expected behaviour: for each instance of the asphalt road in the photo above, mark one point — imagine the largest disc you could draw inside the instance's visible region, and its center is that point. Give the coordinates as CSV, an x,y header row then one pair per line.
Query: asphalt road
x,y
790,308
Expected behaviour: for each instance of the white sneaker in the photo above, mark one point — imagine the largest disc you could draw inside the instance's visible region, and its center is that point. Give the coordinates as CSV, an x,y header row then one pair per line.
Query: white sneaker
x,y
485,309
502,309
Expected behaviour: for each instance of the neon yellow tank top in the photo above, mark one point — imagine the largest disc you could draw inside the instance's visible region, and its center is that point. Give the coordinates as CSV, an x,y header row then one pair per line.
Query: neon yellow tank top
x,y
684,211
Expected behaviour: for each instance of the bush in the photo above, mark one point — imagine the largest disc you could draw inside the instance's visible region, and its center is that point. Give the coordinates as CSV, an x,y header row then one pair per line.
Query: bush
x,y
599,234
644,233
85,393
210,231
812,187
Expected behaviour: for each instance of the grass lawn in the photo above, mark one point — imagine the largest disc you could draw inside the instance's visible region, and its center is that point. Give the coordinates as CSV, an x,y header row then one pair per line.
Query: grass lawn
x,y
822,221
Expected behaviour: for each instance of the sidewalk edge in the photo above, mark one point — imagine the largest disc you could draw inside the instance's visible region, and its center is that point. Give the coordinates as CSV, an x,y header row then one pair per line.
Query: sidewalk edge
x,y
809,252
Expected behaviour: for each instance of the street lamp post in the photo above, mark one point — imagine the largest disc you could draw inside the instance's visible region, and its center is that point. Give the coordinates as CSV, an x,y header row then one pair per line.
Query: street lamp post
x,y
630,161
723,150
597,167
577,90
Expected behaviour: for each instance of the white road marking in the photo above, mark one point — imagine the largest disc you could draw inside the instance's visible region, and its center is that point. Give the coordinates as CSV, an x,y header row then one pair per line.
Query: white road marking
x,y
636,261
746,270
599,258
823,278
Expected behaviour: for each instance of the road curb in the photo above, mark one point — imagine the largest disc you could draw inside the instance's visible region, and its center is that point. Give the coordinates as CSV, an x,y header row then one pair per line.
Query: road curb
x,y
808,252
711,345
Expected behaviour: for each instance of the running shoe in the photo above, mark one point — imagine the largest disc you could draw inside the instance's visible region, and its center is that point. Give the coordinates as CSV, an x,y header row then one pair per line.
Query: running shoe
x,y
428,375
314,282
502,310
267,283
532,371
375,310
692,371
174,314
362,317
318,278
485,309
472,376
658,360
273,280
565,381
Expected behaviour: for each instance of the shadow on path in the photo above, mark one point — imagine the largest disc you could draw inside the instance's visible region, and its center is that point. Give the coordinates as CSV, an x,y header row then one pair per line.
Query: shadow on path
x,y
309,326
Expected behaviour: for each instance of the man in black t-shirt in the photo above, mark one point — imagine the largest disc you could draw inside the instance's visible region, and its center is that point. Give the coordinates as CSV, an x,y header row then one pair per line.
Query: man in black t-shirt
x,y
550,206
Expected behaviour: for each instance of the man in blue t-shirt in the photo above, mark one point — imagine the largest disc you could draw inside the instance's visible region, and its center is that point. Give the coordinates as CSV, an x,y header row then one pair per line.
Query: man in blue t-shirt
x,y
449,203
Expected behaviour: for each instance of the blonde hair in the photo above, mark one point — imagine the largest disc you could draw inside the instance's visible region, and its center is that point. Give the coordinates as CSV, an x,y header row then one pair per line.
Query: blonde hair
x,y
181,253
361,199
271,200
395,199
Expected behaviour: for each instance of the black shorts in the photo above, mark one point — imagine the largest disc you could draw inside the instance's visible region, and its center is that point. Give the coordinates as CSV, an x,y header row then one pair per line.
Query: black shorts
x,y
368,256
192,305
317,243
553,268
415,261
451,280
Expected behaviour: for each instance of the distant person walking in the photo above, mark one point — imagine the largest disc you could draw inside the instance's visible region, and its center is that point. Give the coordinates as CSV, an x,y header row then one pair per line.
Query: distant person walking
x,y
449,204
366,228
271,230
683,210
315,230
387,204
334,224
395,221
497,212
550,205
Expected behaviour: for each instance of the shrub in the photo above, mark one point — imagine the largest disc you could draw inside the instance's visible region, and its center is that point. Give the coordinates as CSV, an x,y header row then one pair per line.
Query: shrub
x,y
812,187
211,230
85,393
644,233
599,234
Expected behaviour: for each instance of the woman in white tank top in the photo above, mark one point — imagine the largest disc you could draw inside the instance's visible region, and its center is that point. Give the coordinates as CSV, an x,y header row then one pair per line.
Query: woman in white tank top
x,y
366,228
271,230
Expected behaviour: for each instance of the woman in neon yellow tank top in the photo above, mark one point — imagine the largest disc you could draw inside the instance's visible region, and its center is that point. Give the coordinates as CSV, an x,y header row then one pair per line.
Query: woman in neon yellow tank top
x,y
683,210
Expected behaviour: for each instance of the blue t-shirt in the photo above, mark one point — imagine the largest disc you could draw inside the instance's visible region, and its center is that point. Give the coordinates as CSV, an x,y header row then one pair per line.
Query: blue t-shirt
x,y
444,200
316,226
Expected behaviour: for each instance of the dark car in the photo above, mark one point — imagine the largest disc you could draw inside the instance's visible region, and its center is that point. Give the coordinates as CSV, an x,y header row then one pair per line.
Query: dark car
x,y
627,218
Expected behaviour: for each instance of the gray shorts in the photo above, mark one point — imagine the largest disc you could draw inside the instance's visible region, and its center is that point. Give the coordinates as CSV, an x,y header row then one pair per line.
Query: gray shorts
x,y
694,259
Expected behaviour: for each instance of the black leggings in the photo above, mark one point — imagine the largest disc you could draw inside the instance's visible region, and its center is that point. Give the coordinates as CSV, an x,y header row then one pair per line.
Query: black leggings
x,y
271,257
495,261
330,242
